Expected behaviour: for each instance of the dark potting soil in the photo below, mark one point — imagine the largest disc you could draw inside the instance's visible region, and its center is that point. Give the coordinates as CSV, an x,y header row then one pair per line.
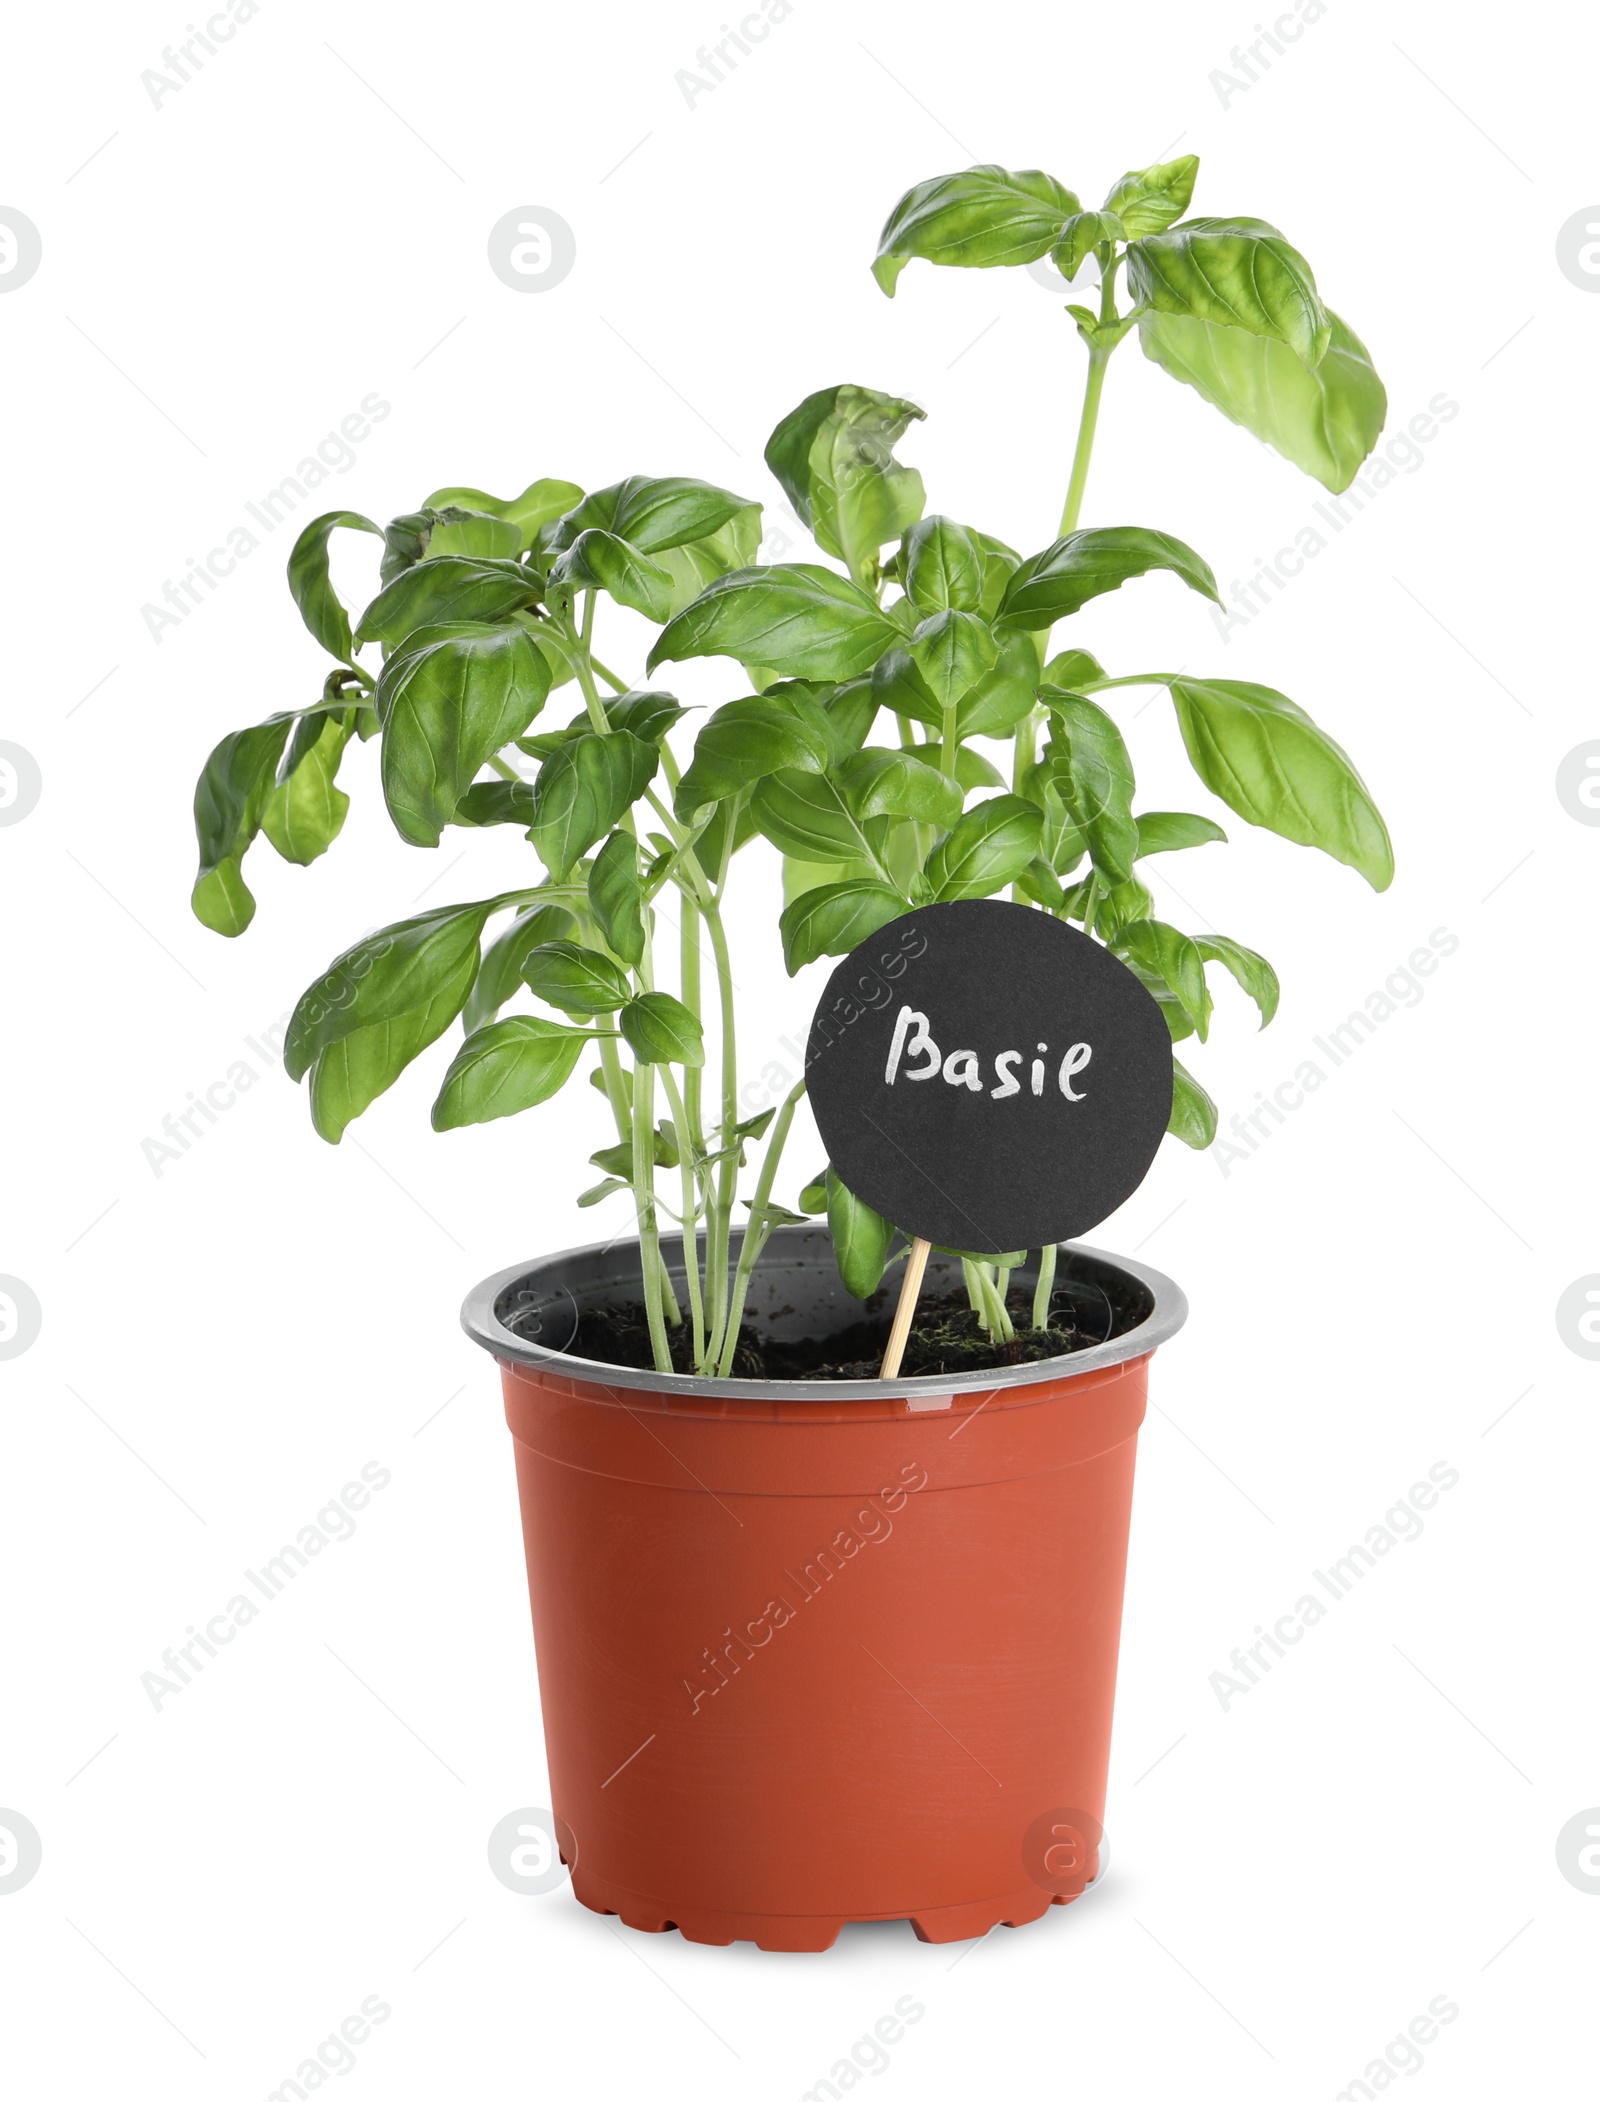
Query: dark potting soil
x,y
945,1337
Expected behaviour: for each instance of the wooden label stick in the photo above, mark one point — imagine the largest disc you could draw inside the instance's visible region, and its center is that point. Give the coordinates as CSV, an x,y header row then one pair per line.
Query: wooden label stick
x,y
910,1289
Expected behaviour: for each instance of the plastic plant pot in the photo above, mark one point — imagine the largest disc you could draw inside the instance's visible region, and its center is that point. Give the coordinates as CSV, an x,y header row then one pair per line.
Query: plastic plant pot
x,y
814,1651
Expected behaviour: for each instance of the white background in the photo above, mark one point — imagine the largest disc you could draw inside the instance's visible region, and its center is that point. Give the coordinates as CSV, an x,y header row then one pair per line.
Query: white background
x,y
226,1342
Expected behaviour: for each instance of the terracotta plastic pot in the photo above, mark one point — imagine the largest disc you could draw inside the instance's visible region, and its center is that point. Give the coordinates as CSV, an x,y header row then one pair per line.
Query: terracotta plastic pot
x,y
817,1651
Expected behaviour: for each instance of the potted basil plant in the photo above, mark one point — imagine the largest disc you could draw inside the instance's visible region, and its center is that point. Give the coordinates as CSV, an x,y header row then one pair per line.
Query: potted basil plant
x,y
703,1453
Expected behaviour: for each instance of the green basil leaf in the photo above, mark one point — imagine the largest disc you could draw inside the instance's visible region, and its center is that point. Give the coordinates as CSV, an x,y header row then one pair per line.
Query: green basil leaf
x,y
806,698
578,980
583,790
989,848
851,711
229,798
1253,973
1268,760
1040,882
1061,845
1073,570
378,1005
538,632
238,795
829,921
602,561
998,563
903,855
1167,831
834,456
803,621
500,973
1083,233
748,739
1175,964
405,541
454,588
651,511
883,783
616,898
1326,421
861,1240
660,1031
1073,669
448,529
1090,767
972,769
447,705
1147,200
729,828
618,1160
339,708
468,532
303,815
386,976
665,1145
806,815
898,686
801,876
221,899
314,594
953,651
496,803
657,513
1240,273
814,1197
943,566
544,744
1194,1114
648,715
980,218
700,562
351,1074
507,1067
538,505
1005,694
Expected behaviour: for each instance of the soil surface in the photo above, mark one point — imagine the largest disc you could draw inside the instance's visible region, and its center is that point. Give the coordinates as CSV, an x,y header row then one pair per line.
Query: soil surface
x,y
945,1337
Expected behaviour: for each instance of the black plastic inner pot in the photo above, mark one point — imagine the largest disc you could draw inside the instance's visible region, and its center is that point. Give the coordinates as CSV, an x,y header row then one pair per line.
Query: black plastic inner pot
x,y
531,1313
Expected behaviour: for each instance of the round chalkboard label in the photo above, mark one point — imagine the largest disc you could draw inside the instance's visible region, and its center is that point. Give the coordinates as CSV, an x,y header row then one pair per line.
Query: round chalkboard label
x,y
987,1077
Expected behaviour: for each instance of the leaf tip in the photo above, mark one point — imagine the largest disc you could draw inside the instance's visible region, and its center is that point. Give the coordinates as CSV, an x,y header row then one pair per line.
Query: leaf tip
x,y
222,900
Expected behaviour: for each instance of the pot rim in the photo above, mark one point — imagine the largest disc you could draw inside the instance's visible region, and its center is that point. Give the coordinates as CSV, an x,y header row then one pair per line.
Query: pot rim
x,y
481,1322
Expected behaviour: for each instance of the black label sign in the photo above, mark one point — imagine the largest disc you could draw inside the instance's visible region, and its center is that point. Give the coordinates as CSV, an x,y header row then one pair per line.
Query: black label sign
x,y
988,1077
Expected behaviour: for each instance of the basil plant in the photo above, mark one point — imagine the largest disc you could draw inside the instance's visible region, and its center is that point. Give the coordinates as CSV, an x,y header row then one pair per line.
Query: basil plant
x,y
914,731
